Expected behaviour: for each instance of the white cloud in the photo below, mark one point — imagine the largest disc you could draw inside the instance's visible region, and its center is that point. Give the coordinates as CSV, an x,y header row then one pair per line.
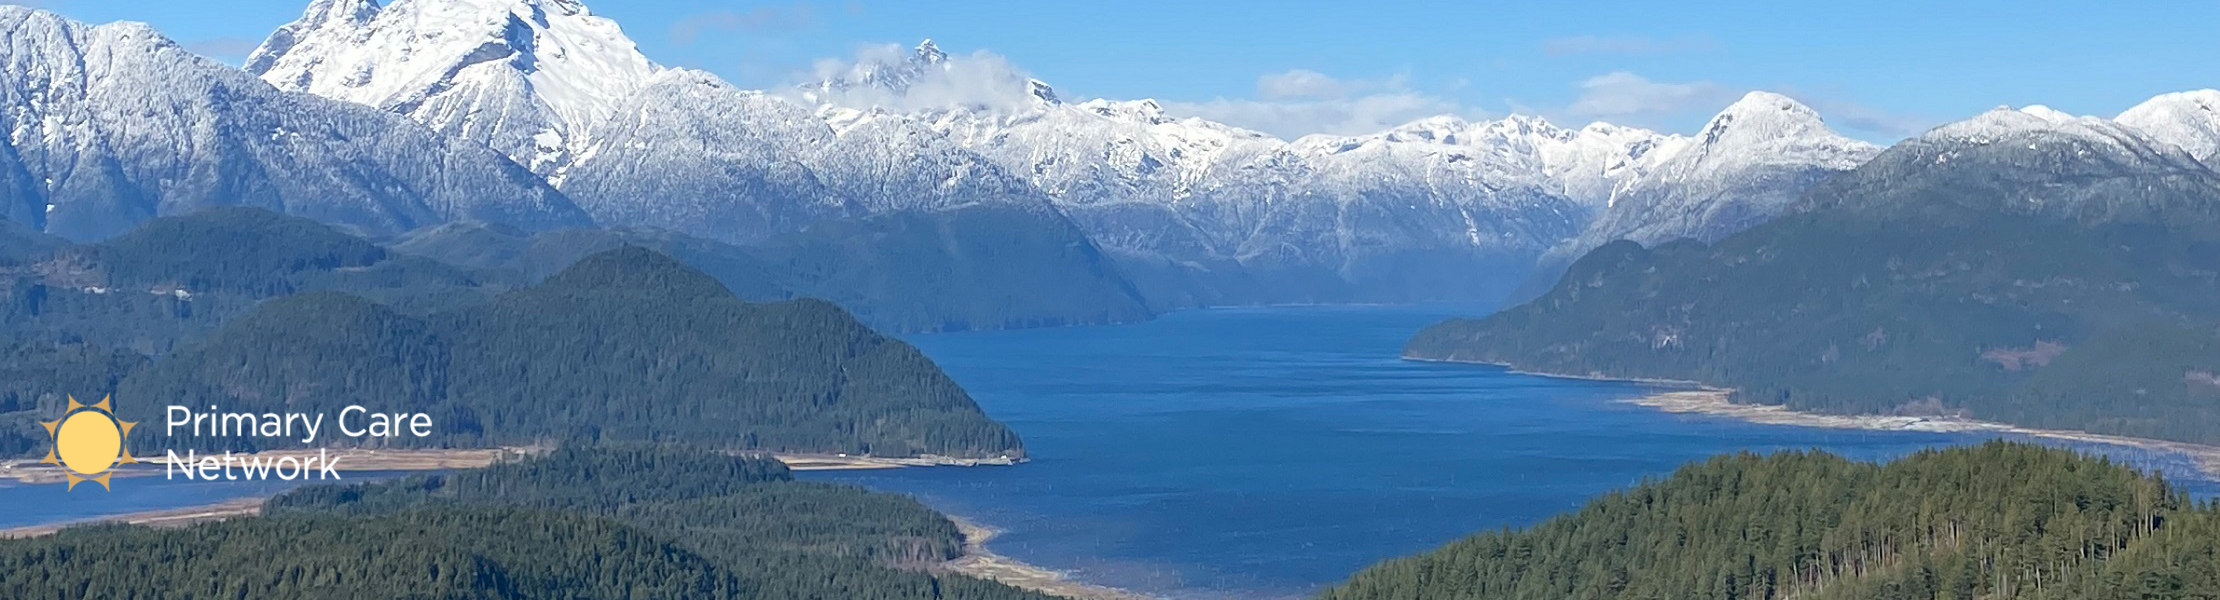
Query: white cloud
x,y
1621,94
1300,83
1301,102
977,80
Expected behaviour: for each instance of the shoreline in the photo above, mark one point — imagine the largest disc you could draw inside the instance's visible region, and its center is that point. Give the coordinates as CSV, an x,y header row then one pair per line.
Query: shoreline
x,y
977,559
1694,397
28,471
344,460
981,562
842,462
172,517
1713,402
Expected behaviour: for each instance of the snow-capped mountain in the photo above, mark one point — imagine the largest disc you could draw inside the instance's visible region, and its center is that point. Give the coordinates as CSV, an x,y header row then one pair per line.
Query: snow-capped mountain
x,y
1583,165
528,77
2033,160
1436,209
674,159
692,153
1439,208
114,124
1749,164
871,207
565,92
2190,120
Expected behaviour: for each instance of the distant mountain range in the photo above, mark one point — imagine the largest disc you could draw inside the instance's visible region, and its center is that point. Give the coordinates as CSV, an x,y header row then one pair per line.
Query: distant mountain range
x,y
2024,266
1193,212
538,115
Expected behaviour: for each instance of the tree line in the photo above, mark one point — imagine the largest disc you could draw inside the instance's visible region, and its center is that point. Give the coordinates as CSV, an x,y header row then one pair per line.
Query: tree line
x,y
2001,520
604,521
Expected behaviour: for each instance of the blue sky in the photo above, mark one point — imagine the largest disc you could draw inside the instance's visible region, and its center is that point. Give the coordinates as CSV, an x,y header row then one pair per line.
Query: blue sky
x,y
1877,69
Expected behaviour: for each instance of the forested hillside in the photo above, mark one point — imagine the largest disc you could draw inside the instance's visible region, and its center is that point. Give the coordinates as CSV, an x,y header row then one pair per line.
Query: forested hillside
x,y
601,522
625,345
175,278
248,310
978,267
1996,521
2049,279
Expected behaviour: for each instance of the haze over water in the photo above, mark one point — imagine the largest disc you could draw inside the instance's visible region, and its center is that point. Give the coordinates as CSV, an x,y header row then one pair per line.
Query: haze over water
x,y
1267,452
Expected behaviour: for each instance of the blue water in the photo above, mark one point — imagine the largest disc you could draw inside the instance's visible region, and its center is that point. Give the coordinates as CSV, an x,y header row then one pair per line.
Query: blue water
x,y
41,503
1251,453
1266,452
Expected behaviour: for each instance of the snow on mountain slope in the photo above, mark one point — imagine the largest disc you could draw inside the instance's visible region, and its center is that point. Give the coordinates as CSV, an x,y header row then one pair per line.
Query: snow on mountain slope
x,y
2036,161
2190,120
114,124
1746,166
1416,209
527,77
1583,165
2038,125
566,93
1436,209
692,153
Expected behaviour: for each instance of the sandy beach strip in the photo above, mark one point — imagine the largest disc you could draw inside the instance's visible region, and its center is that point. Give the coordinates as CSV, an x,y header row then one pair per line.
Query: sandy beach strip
x,y
981,562
175,517
432,459
837,462
1715,403
343,460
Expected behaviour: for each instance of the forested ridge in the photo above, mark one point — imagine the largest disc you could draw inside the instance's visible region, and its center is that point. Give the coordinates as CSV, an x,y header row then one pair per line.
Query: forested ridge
x,y
621,521
976,267
245,310
2001,520
176,278
627,344
2114,329
2052,283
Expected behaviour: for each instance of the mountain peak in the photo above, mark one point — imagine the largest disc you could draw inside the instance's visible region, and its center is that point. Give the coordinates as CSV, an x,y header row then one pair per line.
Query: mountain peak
x,y
1770,107
1761,100
322,15
1761,117
2046,113
633,270
549,68
2006,120
2190,120
1440,129
929,53
2148,138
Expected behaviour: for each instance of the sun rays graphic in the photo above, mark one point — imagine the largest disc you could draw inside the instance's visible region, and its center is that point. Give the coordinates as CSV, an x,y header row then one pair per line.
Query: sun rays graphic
x,y
88,442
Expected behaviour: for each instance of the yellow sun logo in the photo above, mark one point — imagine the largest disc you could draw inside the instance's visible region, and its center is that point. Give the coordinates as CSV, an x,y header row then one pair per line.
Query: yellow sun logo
x,y
88,442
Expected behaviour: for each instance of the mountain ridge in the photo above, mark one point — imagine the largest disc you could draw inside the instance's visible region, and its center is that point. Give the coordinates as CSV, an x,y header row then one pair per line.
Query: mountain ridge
x,y
2023,266
1192,212
1198,212
114,124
